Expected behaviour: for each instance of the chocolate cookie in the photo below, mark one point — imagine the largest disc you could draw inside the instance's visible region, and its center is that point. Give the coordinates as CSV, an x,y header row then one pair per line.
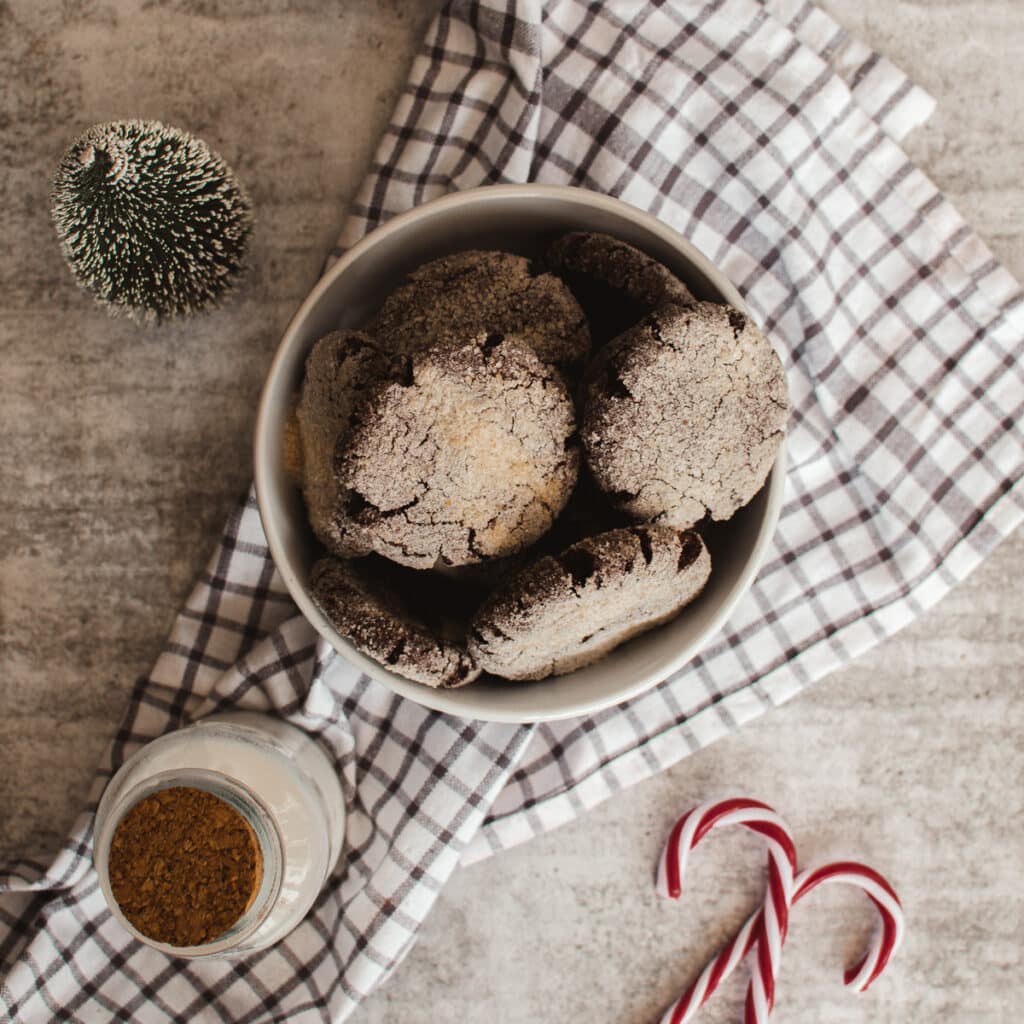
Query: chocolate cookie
x,y
567,611
367,609
485,292
616,283
685,414
470,457
339,367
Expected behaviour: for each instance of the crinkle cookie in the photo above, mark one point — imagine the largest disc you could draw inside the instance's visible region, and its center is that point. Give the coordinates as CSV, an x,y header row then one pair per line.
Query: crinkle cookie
x,y
470,457
685,414
340,365
615,282
490,292
619,266
363,605
570,610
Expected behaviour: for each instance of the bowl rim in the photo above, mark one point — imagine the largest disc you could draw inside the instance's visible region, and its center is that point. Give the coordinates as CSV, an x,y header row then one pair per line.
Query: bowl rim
x,y
435,699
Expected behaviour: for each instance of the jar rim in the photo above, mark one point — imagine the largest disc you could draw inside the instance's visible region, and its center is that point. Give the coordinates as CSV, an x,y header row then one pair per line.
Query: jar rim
x,y
250,724
240,798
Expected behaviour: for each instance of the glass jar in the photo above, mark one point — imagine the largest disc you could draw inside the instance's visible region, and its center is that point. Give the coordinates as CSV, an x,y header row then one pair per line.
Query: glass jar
x,y
278,779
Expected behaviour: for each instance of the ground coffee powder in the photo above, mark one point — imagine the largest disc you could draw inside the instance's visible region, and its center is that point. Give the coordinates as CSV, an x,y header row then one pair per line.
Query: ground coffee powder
x,y
184,866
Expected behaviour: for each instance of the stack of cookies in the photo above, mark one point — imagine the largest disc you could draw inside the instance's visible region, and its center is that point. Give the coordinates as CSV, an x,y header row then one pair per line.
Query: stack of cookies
x,y
510,466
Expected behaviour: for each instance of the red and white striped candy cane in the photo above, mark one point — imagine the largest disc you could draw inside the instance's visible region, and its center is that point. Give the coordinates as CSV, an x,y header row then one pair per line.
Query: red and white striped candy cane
x,y
686,1006
768,928
883,945
858,977
887,903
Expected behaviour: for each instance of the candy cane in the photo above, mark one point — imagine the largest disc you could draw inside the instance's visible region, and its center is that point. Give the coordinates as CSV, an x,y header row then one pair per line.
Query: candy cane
x,y
768,928
887,939
883,945
859,977
685,1008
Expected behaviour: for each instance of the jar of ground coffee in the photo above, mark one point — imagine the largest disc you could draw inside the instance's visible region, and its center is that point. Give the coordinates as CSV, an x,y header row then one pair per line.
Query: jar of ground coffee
x,y
216,839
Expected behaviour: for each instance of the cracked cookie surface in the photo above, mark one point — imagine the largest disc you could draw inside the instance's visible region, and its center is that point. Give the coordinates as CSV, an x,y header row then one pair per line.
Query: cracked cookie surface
x,y
618,265
470,457
569,610
484,291
339,366
365,606
616,283
685,414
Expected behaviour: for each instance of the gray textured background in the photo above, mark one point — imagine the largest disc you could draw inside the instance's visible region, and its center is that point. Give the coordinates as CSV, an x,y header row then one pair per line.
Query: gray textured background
x,y
124,448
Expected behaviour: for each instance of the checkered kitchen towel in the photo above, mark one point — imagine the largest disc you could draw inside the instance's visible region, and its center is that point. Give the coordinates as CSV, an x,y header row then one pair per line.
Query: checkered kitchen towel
x,y
771,139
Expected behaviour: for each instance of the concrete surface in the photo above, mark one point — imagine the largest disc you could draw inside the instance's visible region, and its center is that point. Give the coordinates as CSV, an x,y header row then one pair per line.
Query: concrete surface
x,y
123,449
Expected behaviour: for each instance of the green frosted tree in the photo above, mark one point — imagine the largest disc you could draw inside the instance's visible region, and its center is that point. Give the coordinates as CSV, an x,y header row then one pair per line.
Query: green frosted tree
x,y
151,221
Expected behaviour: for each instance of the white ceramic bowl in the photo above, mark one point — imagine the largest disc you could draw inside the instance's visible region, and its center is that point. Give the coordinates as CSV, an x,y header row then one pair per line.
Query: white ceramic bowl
x,y
518,218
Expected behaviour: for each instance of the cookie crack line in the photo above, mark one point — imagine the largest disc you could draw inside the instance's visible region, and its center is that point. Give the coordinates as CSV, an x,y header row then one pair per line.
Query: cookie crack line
x,y
361,510
738,323
645,545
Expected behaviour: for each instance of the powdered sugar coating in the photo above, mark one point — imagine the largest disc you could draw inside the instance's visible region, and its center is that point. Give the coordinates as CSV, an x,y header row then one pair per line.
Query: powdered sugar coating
x,y
685,414
470,457
339,366
491,292
570,610
373,616
619,266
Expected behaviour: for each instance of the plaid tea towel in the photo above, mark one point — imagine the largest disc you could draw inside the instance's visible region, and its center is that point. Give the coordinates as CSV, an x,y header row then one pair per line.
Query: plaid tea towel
x,y
770,138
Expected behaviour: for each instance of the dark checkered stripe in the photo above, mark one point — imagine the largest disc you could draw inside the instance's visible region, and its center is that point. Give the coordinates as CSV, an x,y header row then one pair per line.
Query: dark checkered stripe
x,y
770,138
